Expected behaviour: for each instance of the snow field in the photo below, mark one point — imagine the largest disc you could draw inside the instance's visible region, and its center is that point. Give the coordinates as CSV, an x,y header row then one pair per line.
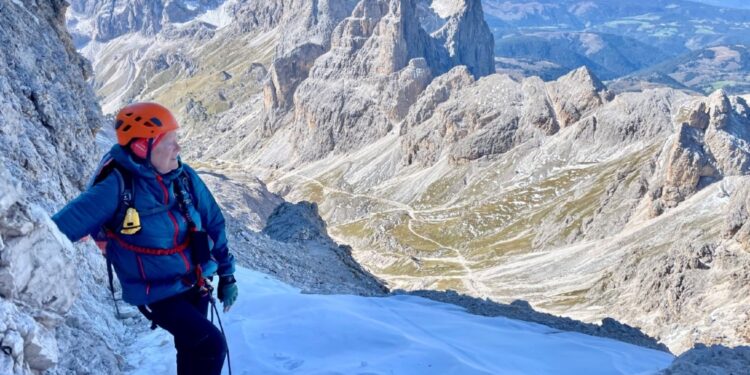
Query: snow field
x,y
275,329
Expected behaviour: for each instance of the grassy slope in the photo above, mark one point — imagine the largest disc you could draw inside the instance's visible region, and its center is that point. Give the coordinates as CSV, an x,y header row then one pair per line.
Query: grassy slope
x,y
455,229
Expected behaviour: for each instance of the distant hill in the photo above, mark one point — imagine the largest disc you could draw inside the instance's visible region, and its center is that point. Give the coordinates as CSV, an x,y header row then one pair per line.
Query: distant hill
x,y
704,70
608,56
613,38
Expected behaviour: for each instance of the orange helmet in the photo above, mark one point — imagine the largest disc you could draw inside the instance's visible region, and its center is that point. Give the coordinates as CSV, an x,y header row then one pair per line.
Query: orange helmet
x,y
143,120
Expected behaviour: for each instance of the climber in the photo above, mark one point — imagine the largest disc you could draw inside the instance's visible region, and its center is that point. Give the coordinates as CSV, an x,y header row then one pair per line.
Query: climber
x,y
164,234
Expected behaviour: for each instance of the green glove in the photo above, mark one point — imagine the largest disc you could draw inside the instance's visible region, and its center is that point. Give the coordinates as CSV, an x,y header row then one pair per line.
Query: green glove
x,y
227,291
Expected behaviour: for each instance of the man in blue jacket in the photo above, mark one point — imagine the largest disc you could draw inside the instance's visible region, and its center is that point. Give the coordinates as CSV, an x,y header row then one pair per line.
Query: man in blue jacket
x,y
164,234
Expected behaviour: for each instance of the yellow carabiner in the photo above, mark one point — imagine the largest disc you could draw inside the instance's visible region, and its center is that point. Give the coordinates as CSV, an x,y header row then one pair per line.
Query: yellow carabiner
x,y
132,222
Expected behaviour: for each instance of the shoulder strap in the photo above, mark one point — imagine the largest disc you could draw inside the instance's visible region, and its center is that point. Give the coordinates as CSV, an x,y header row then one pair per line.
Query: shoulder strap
x,y
127,196
127,190
182,190
199,239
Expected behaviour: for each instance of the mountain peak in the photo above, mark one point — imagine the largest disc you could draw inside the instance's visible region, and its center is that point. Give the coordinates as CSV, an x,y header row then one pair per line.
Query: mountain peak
x,y
585,76
577,93
718,103
468,38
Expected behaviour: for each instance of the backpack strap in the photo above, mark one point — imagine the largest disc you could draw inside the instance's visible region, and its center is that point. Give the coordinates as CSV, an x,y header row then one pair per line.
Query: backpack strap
x,y
199,239
127,197
127,191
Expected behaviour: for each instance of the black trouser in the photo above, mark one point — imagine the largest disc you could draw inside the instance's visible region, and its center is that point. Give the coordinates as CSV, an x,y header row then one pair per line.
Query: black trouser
x,y
200,345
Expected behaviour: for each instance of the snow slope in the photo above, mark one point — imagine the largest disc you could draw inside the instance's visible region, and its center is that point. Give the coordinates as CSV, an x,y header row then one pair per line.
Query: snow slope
x,y
274,329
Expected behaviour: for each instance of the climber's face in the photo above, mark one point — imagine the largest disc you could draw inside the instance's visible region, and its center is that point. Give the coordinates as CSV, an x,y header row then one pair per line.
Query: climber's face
x,y
165,153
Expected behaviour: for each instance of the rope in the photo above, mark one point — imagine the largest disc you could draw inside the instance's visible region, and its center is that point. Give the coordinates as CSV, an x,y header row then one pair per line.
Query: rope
x,y
213,308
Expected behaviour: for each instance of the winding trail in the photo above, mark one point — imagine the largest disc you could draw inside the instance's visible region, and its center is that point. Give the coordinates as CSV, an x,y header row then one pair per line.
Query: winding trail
x,y
471,281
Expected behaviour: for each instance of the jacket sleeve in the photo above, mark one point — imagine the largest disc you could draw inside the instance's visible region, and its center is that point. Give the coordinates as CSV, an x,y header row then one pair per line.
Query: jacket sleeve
x,y
89,211
213,222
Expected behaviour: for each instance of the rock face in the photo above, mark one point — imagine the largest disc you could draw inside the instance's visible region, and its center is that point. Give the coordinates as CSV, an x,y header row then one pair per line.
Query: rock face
x,y
313,22
287,73
712,141
736,225
468,39
31,304
576,93
383,42
49,114
422,144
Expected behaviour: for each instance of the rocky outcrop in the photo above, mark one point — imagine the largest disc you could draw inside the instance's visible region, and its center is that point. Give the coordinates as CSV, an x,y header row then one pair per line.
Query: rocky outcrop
x,y
728,134
296,223
420,144
538,110
378,39
381,37
712,141
333,268
37,287
113,20
333,113
689,277
303,21
469,125
576,94
687,165
714,359
286,74
736,224
259,15
52,314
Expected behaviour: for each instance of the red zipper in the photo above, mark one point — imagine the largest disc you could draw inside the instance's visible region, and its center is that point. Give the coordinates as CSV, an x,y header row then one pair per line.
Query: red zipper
x,y
171,216
143,274
163,188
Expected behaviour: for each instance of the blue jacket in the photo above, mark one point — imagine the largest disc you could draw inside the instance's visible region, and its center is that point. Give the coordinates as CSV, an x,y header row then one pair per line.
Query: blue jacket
x,y
147,278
